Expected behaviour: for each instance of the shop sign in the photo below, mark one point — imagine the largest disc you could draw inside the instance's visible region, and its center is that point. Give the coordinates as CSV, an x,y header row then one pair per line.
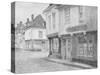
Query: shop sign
x,y
77,28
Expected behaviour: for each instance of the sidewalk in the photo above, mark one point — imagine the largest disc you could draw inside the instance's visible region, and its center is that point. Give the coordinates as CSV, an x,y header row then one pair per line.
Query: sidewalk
x,y
69,63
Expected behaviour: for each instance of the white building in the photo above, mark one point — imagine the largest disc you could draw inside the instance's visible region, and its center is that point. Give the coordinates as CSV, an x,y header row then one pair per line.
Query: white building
x,y
35,33
72,31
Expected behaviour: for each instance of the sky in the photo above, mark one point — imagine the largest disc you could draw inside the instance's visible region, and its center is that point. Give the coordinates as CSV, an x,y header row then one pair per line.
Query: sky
x,y
24,10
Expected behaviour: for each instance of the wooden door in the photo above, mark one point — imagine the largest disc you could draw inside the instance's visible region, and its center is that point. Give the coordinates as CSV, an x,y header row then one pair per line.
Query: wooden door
x,y
68,49
63,48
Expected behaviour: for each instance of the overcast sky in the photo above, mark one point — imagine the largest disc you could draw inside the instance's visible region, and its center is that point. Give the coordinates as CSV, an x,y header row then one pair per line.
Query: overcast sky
x,y
24,10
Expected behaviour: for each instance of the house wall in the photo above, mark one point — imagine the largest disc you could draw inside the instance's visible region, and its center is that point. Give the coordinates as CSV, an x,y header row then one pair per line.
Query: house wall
x,y
34,41
88,18
50,29
33,33
91,17
74,20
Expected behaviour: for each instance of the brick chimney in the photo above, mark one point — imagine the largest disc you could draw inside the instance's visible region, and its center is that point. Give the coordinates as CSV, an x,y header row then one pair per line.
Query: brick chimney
x,y
27,20
21,23
32,17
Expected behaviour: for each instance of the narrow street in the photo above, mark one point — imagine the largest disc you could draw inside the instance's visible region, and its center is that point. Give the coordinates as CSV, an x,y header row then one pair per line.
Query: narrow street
x,y
30,61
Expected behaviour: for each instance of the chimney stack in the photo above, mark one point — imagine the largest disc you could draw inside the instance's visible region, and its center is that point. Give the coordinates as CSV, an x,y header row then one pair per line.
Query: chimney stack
x,y
32,17
27,20
20,22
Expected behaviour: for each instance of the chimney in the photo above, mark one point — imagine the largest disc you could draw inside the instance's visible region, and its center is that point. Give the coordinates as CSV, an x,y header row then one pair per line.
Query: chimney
x,y
27,20
32,17
21,23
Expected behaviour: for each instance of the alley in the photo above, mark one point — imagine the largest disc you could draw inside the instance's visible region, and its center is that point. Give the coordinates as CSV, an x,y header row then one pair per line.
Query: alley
x,y
30,61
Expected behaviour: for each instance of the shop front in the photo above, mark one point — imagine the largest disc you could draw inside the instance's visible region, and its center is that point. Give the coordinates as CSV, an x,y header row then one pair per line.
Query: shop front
x,y
54,46
80,45
85,50
66,47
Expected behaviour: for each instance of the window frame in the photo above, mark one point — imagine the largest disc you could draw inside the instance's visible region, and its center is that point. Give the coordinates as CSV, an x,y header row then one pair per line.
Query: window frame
x,y
54,19
40,34
67,15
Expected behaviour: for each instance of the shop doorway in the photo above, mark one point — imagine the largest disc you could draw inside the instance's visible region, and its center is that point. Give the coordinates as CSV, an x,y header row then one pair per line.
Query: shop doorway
x,y
66,49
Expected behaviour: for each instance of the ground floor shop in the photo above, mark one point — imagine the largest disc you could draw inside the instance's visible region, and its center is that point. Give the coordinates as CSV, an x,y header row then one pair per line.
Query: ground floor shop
x,y
84,47
37,44
54,46
81,47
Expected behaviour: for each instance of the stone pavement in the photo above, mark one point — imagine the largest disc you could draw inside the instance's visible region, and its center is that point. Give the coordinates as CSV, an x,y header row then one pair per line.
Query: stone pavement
x,y
69,63
30,61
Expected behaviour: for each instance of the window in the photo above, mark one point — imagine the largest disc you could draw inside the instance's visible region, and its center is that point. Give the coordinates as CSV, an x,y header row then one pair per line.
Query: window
x,y
80,13
85,47
67,15
49,21
53,20
40,34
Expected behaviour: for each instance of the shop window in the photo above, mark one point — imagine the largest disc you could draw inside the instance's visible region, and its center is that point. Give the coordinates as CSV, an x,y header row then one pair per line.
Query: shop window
x,y
80,51
90,50
85,47
49,21
82,48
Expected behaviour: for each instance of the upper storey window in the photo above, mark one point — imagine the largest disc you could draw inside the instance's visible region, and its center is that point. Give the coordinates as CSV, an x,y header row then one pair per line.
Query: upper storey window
x,y
49,21
40,34
53,19
80,13
67,15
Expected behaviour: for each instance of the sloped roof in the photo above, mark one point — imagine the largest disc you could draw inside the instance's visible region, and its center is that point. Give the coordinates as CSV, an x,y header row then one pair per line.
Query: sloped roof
x,y
19,28
50,7
38,22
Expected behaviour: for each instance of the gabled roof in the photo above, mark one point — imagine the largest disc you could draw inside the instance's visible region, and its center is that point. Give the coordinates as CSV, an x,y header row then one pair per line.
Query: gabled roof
x,y
38,22
50,7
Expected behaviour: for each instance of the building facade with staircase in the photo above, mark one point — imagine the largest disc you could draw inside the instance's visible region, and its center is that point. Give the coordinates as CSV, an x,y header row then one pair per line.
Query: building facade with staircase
x,y
72,32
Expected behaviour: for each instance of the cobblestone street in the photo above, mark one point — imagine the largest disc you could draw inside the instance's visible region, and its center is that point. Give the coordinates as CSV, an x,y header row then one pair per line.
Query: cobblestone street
x,y
30,61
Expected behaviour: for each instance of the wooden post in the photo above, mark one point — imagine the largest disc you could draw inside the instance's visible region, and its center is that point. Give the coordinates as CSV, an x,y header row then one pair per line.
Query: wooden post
x,y
50,52
59,46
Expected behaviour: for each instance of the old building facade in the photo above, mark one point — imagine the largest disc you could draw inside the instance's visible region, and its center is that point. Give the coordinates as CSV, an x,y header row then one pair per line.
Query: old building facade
x,y
35,33
72,32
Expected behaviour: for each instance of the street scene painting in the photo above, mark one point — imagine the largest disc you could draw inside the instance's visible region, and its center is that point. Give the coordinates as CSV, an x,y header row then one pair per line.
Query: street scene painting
x,y
48,37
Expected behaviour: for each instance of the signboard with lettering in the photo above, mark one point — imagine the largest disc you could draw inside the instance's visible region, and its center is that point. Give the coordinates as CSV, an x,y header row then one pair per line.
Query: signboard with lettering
x,y
77,28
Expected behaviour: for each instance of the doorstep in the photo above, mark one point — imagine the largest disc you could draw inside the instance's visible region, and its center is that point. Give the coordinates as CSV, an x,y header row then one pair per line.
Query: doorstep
x,y
69,63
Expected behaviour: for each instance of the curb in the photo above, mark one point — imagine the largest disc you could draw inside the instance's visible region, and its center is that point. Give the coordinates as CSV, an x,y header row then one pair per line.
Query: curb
x,y
69,64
